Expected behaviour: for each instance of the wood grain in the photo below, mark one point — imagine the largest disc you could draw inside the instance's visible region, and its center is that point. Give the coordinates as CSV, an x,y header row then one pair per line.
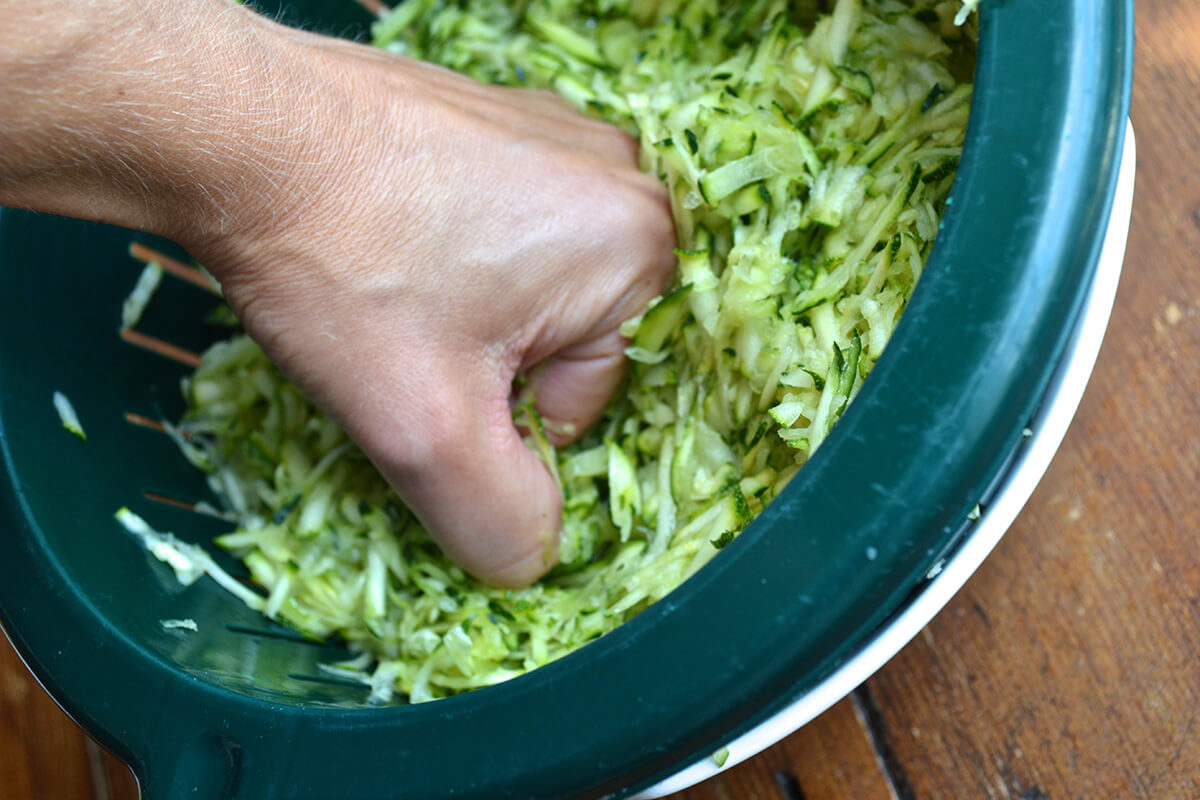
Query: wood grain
x,y
830,760
1069,667
119,779
42,753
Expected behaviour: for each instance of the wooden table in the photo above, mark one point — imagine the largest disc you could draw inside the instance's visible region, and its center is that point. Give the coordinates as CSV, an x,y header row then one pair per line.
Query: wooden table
x,y
1069,666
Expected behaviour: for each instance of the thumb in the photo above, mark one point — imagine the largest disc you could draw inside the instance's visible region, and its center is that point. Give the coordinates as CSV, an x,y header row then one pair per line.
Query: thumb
x,y
484,497
571,389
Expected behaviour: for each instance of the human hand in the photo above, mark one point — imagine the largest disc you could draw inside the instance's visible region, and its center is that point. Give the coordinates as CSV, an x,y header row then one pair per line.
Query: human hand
x,y
401,240
433,239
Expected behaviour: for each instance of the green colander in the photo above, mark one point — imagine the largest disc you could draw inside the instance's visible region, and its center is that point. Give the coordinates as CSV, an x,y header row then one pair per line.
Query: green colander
x,y
238,709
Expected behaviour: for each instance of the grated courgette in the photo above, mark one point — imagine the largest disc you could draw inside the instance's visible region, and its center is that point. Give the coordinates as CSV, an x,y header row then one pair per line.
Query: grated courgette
x,y
807,157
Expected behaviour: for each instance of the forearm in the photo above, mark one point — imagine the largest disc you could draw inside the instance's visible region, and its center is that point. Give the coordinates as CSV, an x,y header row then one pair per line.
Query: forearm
x,y
399,239
148,115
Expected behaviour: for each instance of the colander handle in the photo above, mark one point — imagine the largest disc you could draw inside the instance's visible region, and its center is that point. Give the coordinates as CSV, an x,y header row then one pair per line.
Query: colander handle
x,y
206,768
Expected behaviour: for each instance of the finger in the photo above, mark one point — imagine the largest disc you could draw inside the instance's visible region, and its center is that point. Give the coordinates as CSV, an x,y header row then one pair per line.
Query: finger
x,y
547,104
539,112
572,388
483,496
573,128
545,116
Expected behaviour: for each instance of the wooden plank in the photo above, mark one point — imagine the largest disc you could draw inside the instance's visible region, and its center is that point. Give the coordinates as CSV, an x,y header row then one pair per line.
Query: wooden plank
x,y
121,783
829,759
1068,667
42,753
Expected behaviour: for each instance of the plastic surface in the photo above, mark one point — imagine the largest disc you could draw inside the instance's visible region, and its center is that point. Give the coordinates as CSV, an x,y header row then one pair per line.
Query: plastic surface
x,y
224,714
998,510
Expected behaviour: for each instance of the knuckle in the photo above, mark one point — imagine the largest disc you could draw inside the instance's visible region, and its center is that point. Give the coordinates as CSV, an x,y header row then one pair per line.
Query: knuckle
x,y
623,145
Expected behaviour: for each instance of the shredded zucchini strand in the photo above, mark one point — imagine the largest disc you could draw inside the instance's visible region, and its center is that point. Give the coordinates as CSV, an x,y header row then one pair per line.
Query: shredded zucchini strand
x,y
807,157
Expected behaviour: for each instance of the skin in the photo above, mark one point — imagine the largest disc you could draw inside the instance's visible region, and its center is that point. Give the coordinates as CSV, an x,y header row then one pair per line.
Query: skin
x,y
401,240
